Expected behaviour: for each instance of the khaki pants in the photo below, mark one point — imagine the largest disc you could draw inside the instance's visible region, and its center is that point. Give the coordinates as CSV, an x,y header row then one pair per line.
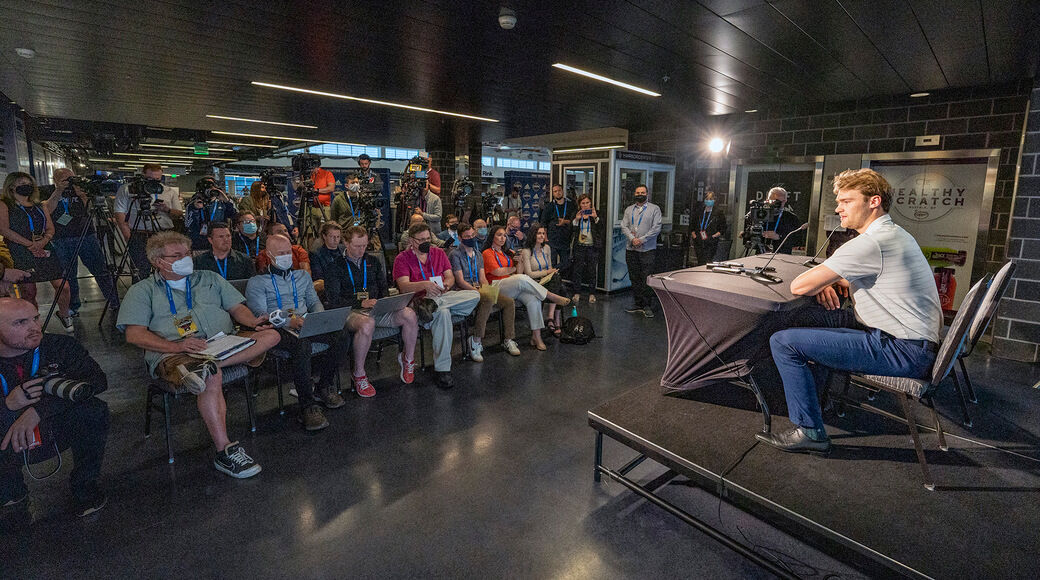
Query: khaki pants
x,y
487,300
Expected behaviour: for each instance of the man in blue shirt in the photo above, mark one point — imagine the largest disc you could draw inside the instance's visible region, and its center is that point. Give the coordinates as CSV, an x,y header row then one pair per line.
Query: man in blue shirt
x,y
641,224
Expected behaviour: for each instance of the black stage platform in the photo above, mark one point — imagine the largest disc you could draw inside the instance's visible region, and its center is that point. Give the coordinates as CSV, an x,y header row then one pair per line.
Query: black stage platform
x,y
865,504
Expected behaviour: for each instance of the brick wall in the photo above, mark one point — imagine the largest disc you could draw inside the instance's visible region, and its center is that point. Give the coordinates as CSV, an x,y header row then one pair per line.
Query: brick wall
x,y
1016,330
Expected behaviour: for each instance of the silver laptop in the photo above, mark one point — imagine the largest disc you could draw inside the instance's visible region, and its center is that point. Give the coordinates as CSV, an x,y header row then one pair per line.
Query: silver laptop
x,y
389,304
324,322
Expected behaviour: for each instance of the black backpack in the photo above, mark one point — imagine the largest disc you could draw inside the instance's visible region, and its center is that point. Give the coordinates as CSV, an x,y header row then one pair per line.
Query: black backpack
x,y
577,330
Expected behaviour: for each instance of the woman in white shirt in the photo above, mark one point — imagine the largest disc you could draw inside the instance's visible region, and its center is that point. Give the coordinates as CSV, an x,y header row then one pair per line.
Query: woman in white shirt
x,y
538,263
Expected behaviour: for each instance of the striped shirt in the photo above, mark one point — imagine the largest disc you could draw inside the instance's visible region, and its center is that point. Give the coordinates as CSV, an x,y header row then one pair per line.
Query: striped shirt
x,y
892,285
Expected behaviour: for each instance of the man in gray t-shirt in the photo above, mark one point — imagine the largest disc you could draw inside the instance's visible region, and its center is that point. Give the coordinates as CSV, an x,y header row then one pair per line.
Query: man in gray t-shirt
x,y
893,329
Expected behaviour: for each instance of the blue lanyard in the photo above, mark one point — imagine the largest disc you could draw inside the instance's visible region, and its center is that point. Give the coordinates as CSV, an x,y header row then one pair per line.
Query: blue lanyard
x,y
364,268
65,202
585,225
32,224
212,214
278,293
223,270
778,220
558,216
633,216
187,295
418,261
353,215
538,260
35,368
474,272
704,220
495,253
246,244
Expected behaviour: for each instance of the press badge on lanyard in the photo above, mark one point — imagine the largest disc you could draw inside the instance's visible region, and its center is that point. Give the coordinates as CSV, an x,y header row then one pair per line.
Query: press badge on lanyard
x,y
363,294
185,325
66,218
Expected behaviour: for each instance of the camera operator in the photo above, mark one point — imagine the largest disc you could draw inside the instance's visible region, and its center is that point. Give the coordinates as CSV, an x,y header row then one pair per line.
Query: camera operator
x,y
512,204
786,222
209,204
137,228
430,207
67,207
30,413
370,180
433,182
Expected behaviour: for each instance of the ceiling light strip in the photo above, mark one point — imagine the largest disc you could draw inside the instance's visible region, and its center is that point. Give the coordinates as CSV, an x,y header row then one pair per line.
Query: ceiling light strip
x,y
373,101
153,145
593,75
174,156
284,138
243,119
244,144
596,148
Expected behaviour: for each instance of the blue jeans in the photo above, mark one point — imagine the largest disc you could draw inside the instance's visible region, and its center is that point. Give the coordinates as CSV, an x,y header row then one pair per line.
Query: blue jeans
x,y
93,259
835,341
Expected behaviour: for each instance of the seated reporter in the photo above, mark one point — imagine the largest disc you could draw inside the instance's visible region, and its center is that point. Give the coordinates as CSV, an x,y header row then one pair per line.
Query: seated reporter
x,y
538,263
404,243
281,287
222,258
450,235
247,238
170,315
425,270
26,355
467,265
352,279
503,271
301,258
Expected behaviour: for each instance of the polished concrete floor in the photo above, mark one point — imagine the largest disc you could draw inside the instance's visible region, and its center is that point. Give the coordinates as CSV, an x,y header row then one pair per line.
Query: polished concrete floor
x,y
490,479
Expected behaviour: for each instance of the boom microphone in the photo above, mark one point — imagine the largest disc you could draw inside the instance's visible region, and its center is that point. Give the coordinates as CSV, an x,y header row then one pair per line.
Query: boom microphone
x,y
762,269
812,261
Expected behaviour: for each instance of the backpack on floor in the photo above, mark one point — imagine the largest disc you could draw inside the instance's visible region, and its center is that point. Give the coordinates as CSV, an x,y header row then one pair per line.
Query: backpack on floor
x,y
577,330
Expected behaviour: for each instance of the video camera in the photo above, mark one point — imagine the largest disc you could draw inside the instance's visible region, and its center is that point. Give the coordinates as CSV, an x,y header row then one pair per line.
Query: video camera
x,y
207,190
413,183
90,186
304,165
305,162
144,191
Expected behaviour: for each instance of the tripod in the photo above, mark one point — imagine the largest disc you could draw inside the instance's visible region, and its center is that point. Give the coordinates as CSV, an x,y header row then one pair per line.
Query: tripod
x,y
308,230
753,244
134,274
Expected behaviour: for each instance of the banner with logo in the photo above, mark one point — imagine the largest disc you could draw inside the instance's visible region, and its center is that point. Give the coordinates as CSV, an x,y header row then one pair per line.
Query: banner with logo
x,y
939,201
534,187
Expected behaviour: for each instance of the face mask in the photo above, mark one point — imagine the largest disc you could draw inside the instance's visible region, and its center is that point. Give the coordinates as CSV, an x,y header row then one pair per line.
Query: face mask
x,y
709,203
181,284
453,226
640,198
424,247
354,187
183,267
283,262
472,242
482,232
249,228
24,190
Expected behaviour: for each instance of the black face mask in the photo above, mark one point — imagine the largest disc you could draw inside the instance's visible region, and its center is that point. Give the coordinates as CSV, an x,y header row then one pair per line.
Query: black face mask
x,y
471,242
24,190
640,198
424,247
452,226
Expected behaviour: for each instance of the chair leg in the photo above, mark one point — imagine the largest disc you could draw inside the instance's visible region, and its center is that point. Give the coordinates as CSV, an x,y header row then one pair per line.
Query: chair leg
x,y
250,404
967,382
844,394
912,424
148,411
169,426
960,397
938,426
278,380
422,351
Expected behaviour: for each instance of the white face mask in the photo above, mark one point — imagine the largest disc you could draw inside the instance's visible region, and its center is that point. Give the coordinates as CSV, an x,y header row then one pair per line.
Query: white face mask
x,y
183,267
283,262
181,284
354,187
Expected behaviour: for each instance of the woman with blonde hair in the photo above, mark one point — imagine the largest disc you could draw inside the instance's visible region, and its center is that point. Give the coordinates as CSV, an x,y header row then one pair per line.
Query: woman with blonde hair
x,y
27,229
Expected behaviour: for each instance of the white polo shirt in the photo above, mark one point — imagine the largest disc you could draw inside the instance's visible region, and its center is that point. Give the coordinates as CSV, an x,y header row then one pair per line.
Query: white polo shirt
x,y
892,285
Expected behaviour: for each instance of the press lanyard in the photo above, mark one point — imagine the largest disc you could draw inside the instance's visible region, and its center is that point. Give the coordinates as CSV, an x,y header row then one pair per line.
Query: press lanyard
x,y
246,244
778,220
223,269
32,224
212,214
187,295
473,271
564,210
35,367
364,268
633,218
353,215
65,202
278,293
418,261
509,261
585,226
538,260
704,220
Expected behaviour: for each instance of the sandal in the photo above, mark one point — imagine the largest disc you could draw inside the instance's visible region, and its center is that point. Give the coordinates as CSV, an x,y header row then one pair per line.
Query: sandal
x,y
550,325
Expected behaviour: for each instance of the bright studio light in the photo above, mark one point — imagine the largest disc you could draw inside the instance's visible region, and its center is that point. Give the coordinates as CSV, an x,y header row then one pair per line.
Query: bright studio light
x,y
602,78
716,145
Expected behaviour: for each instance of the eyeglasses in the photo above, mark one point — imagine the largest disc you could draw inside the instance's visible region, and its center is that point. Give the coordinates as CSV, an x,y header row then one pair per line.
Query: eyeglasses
x,y
423,240
174,257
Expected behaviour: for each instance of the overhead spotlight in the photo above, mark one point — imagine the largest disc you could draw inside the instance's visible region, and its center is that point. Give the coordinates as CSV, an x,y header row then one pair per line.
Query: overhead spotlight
x,y
716,145
506,18
918,95
751,111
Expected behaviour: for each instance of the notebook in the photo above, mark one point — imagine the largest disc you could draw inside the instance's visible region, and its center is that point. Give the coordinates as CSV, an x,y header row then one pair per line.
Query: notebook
x,y
222,346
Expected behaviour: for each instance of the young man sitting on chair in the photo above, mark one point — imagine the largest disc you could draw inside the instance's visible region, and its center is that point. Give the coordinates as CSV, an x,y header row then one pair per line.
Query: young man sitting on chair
x,y
893,330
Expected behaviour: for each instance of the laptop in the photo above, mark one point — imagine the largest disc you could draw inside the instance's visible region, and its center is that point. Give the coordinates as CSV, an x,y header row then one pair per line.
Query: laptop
x,y
389,304
322,322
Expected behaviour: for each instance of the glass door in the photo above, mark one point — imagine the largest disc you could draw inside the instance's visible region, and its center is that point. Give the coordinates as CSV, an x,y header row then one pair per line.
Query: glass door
x,y
578,181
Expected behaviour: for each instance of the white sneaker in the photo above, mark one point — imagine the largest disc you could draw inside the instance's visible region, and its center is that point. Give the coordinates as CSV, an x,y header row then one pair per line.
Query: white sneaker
x,y
592,298
511,348
66,321
576,299
475,347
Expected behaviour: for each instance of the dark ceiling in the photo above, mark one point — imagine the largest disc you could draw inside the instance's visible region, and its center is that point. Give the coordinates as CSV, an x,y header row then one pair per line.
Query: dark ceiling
x,y
169,63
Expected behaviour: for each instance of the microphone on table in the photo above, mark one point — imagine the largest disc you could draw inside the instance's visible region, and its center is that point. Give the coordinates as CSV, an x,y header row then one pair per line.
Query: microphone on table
x,y
764,268
812,261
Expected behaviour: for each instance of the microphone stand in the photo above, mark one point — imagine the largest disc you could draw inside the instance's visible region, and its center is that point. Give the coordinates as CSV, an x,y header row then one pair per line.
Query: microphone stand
x,y
760,272
812,261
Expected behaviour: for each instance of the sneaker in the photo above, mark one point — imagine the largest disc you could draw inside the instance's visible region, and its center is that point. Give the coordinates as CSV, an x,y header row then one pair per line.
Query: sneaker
x,y
576,298
407,369
634,309
74,312
234,462
329,397
592,298
475,347
445,380
66,321
511,347
313,419
93,505
647,312
195,373
362,387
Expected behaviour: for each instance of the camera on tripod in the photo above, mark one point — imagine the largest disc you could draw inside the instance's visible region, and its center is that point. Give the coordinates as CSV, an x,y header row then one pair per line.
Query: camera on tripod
x,y
207,190
304,164
144,191
762,213
91,187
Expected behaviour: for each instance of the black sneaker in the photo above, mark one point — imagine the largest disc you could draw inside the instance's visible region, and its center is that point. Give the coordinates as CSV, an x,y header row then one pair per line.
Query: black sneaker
x,y
445,380
234,462
634,309
91,506
648,312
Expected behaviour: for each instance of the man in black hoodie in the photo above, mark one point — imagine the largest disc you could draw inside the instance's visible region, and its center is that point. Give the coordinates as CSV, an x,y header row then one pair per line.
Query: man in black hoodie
x,y
27,413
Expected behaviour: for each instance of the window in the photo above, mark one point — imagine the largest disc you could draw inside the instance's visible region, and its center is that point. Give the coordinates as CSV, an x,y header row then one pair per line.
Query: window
x,y
544,166
239,184
487,161
394,153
